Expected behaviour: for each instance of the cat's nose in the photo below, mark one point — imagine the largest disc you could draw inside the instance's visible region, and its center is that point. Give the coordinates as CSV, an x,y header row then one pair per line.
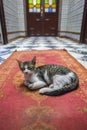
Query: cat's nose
x,y
26,72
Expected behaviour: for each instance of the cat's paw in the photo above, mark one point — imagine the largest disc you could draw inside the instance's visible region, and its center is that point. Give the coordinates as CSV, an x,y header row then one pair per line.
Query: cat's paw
x,y
26,83
30,86
43,90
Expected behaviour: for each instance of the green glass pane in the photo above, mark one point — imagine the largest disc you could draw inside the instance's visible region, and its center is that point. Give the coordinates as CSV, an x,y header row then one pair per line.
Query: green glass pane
x,y
54,1
30,1
38,2
46,1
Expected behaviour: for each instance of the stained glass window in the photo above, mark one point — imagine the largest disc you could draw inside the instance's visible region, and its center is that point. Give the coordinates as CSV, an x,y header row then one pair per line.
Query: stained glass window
x,y
50,6
34,5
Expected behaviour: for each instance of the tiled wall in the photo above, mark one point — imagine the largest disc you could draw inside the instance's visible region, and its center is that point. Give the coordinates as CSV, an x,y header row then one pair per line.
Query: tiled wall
x,y
14,17
64,14
21,21
71,18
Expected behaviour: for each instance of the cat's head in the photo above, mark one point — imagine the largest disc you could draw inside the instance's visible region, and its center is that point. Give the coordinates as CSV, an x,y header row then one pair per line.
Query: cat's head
x,y
27,67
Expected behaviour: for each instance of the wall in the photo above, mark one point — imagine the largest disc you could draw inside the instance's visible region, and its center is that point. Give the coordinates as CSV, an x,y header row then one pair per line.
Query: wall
x,y
14,17
21,20
71,18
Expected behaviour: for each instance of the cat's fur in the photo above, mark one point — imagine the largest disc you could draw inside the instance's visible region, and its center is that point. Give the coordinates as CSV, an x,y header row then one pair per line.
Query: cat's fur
x,y
59,79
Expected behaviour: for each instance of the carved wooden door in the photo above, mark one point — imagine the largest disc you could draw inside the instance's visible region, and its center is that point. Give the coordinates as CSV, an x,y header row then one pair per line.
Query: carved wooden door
x,y
42,17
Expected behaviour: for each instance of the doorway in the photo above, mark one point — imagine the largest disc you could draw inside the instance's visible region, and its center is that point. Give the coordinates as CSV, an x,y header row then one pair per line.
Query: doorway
x,y
42,17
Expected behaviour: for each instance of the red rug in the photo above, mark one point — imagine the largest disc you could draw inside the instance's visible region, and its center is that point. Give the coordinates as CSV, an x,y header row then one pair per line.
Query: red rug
x,y
21,109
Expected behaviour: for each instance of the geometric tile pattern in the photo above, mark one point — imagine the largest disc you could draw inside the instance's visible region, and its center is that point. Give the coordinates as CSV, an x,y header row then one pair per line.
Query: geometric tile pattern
x,y
77,50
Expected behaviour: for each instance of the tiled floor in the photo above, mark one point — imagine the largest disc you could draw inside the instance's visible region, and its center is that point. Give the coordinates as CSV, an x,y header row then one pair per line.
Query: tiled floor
x,y
77,50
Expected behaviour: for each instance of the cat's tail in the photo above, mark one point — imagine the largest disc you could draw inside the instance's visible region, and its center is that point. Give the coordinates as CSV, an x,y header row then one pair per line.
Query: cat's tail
x,y
55,92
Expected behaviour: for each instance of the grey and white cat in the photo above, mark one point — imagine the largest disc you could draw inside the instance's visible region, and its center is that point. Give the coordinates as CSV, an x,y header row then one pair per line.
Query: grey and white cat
x,y
59,79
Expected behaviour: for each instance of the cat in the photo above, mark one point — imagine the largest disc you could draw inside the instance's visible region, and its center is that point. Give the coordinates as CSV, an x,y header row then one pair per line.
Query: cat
x,y
59,79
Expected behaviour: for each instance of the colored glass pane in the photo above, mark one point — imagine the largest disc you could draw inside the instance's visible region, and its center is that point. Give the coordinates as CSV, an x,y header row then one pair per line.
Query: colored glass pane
x,y
53,5
38,10
38,2
54,1
30,10
34,9
30,1
46,5
54,10
46,9
50,2
50,9
34,2
46,1
31,5
38,6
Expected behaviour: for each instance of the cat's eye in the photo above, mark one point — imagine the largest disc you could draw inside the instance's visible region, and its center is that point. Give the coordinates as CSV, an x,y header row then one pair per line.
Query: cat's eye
x,y
30,67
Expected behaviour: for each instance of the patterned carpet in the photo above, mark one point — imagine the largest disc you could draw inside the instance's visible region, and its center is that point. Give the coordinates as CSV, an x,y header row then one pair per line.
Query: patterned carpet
x,y
77,50
21,109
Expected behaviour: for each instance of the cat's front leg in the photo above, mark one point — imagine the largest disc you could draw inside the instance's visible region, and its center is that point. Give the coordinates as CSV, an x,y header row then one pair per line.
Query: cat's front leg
x,y
30,86
37,85
26,83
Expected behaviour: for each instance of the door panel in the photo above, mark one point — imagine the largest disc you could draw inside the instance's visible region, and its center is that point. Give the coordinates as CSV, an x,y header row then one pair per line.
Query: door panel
x,y
35,24
50,24
42,17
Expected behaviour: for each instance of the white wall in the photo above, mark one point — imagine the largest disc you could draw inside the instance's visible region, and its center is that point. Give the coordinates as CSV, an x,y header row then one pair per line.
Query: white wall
x,y
21,20
71,18
14,17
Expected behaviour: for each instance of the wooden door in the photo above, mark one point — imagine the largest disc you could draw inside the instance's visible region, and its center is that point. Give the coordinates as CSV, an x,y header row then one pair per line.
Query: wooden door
x,y
42,17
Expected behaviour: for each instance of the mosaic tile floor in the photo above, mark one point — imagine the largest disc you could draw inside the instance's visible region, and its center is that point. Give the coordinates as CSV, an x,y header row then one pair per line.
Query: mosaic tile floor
x,y
77,50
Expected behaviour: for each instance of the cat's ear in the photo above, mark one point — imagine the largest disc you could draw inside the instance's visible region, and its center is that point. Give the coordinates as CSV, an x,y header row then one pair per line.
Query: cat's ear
x,y
20,63
34,60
